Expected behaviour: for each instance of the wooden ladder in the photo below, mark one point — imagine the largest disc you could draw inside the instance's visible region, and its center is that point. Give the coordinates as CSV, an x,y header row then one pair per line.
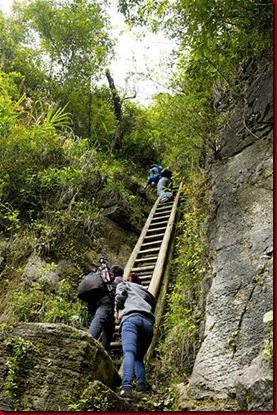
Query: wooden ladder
x,y
148,258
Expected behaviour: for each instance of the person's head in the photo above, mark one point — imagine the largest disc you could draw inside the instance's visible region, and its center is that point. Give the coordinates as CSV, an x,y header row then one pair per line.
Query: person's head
x,y
166,173
117,271
133,277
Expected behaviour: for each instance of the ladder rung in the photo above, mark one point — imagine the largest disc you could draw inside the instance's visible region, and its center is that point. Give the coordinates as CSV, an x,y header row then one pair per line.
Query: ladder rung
x,y
163,206
154,236
156,218
157,229
162,211
158,223
146,251
150,243
143,268
116,344
145,277
152,258
159,214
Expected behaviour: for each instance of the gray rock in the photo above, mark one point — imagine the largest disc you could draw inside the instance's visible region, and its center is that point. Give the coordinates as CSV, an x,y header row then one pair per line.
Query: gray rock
x,y
47,367
254,387
240,230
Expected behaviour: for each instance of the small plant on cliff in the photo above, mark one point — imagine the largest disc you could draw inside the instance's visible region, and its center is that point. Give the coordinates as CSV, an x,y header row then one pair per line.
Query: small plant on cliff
x,y
97,403
18,349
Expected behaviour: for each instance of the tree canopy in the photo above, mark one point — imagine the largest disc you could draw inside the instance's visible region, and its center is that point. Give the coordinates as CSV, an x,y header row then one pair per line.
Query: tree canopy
x,y
53,54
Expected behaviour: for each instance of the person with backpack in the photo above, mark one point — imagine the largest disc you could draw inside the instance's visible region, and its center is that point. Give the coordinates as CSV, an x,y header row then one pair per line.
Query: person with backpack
x,y
154,175
155,169
164,186
135,306
100,301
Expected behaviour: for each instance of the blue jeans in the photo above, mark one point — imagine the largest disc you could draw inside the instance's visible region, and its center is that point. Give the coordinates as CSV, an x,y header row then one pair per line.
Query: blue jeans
x,y
136,335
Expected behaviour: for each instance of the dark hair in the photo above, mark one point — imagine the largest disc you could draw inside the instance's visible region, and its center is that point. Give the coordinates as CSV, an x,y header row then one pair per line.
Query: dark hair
x,y
166,173
117,271
133,277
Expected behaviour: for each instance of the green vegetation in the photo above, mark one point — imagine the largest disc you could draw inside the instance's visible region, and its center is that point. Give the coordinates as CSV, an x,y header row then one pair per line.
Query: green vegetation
x,y
19,349
66,154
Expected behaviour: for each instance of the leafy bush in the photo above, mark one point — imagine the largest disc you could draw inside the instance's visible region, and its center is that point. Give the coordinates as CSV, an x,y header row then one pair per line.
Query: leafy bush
x,y
32,303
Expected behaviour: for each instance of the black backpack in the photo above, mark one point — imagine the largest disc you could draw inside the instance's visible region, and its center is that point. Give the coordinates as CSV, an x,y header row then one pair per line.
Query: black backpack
x,y
96,284
166,173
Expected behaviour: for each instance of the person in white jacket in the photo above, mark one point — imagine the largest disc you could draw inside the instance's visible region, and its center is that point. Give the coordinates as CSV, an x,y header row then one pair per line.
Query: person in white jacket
x,y
135,306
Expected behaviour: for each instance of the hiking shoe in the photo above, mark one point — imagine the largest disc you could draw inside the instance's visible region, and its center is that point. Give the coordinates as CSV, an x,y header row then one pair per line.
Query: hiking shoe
x,y
141,387
126,392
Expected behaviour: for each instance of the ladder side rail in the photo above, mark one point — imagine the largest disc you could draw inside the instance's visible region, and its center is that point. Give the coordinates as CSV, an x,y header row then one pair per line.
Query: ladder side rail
x,y
158,271
136,249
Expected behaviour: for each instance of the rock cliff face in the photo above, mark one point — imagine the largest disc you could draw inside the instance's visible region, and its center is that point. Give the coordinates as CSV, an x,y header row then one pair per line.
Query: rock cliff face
x,y
240,232
47,367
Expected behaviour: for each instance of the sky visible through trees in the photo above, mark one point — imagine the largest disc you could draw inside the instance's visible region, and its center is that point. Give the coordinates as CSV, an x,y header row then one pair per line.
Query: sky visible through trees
x,y
141,58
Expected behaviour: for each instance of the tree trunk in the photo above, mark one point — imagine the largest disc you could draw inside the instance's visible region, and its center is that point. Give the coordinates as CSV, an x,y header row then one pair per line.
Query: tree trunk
x,y
117,112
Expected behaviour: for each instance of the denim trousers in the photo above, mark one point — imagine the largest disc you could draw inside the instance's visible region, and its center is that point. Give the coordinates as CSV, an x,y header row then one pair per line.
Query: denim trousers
x,y
136,335
103,323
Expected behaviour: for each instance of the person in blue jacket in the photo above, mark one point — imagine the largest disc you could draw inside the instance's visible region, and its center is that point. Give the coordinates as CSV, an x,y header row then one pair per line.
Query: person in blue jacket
x,y
154,175
135,306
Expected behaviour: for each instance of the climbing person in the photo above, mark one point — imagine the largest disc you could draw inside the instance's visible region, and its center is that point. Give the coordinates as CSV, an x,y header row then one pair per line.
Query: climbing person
x,y
102,309
164,186
135,307
152,180
153,175
155,169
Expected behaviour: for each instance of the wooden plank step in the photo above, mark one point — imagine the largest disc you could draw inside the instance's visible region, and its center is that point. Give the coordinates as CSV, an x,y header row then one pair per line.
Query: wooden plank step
x,y
144,273
147,255
156,229
147,259
150,243
156,218
160,214
163,208
116,344
148,251
154,236
143,268
158,223
164,205
145,277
